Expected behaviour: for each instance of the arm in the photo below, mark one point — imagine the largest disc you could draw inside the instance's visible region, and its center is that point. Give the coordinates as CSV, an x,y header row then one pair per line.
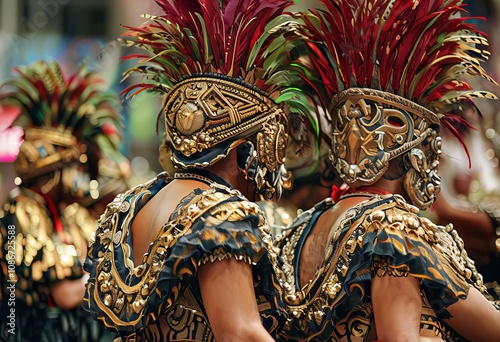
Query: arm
x,y
397,307
229,298
475,318
68,294
475,228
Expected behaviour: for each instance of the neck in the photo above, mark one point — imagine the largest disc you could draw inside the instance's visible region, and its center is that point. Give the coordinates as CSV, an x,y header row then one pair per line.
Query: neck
x,y
369,190
381,187
227,169
392,186
364,191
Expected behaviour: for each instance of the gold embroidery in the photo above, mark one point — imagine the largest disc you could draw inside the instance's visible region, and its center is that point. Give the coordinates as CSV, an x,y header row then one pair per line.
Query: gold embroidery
x,y
398,218
115,295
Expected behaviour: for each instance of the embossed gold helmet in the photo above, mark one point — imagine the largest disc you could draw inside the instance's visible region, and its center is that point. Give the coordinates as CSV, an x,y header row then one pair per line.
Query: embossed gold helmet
x,y
66,122
393,72
222,69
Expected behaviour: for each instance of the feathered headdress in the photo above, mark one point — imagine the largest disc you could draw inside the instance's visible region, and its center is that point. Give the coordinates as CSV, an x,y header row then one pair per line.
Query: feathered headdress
x,y
393,72
222,65
419,50
63,118
227,37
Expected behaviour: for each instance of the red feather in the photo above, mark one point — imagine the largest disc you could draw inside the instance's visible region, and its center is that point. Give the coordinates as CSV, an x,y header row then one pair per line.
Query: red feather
x,y
419,50
452,129
199,36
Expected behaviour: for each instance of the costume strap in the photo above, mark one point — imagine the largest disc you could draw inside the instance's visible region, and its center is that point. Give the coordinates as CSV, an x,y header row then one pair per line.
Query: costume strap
x,y
54,213
204,176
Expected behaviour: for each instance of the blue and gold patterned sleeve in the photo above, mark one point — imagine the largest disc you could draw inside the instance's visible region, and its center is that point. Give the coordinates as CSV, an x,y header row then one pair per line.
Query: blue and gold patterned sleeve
x,y
388,237
381,236
206,226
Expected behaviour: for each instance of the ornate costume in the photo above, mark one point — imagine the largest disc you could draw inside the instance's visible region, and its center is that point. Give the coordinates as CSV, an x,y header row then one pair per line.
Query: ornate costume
x,y
216,64
31,241
336,303
160,298
392,74
67,122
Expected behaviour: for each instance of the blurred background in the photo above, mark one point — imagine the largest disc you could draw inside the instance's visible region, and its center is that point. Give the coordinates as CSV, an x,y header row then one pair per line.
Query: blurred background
x,y
71,31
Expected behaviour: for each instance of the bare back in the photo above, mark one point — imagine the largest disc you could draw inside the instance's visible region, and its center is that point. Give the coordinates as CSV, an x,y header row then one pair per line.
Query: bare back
x,y
313,252
156,212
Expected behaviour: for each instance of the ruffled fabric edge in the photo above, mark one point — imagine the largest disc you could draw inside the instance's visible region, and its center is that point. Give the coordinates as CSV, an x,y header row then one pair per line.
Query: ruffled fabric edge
x,y
206,240
404,248
442,271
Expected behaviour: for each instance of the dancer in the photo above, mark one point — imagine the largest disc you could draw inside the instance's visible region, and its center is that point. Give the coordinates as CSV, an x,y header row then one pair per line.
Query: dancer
x,y
364,264
67,121
189,256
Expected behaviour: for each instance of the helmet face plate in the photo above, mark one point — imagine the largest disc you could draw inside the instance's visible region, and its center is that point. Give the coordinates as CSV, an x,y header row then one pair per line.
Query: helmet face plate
x,y
370,129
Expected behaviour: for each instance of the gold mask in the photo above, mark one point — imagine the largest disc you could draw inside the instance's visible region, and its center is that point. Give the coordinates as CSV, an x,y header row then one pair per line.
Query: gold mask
x,y
372,127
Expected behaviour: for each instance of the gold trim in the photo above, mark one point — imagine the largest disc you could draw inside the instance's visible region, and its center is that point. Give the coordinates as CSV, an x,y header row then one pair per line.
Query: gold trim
x,y
61,147
201,112
51,135
385,98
